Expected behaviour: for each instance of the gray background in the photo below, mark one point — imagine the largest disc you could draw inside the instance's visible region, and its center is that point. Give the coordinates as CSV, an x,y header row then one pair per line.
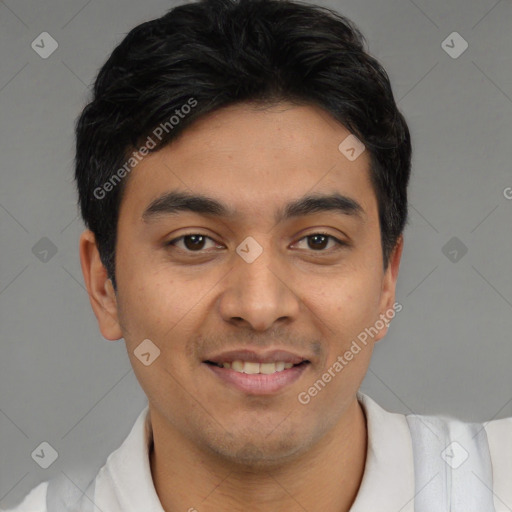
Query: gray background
x,y
447,352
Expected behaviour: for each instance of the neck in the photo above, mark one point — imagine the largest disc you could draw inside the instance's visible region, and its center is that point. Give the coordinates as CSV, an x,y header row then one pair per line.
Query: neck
x,y
325,478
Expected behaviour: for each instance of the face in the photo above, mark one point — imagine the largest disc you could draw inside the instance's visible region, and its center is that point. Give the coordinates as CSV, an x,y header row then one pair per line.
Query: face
x,y
261,272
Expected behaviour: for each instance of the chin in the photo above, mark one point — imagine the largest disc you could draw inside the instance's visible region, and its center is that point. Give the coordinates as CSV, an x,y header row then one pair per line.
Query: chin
x,y
259,451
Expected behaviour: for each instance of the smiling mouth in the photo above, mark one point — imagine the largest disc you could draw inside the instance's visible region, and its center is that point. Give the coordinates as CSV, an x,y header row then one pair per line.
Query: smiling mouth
x,y
254,368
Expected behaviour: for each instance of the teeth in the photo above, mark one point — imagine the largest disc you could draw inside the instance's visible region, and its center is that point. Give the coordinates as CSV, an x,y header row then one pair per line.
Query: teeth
x,y
238,366
267,368
253,368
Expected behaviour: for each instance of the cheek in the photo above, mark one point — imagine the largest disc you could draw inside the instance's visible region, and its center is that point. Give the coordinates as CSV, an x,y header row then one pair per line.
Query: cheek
x,y
347,308
147,307
166,309
347,293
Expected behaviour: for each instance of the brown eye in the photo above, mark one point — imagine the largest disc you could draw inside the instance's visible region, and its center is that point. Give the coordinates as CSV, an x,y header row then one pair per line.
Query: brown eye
x,y
192,242
319,242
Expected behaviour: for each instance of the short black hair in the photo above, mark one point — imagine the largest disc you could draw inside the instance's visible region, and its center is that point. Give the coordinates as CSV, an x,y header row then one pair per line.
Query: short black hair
x,y
202,56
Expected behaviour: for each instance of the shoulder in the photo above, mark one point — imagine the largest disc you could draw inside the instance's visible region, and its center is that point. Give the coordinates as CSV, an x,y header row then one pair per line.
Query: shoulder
x,y
449,457
473,459
114,479
499,437
34,501
60,494
500,431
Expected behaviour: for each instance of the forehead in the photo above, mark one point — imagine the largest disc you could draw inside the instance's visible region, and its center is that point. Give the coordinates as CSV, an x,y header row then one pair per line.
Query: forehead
x,y
254,156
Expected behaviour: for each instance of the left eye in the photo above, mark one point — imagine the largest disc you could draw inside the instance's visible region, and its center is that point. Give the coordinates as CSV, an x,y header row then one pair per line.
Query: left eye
x,y
318,241
195,242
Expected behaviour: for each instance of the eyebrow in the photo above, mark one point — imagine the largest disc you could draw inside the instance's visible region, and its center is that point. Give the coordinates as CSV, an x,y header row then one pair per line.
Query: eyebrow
x,y
175,202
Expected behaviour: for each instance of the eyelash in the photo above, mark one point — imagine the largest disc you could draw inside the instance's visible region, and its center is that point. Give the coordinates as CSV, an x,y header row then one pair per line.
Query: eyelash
x,y
340,244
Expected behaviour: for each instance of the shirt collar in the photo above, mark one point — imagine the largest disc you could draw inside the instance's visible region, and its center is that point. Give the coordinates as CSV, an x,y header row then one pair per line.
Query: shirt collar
x,y
125,483
387,484
388,478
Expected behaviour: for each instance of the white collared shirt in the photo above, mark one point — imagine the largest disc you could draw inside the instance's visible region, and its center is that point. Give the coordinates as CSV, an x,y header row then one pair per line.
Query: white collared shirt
x,y
124,483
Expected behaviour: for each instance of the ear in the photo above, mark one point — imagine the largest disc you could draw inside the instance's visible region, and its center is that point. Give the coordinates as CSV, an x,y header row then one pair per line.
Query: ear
x,y
101,292
389,287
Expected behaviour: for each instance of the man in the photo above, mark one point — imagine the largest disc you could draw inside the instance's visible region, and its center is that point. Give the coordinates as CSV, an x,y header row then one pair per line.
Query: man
x,y
242,170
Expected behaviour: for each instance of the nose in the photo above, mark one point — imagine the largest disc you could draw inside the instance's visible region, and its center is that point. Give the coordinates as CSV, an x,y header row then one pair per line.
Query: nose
x,y
259,293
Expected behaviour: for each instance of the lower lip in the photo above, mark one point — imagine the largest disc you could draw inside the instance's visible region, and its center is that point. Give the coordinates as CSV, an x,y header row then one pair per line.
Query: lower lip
x,y
259,384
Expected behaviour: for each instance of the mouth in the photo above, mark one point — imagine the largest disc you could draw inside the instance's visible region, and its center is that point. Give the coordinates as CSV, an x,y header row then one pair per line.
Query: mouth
x,y
256,368
257,378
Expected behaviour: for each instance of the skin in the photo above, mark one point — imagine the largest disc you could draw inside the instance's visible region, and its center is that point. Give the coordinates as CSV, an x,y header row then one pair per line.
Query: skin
x,y
215,447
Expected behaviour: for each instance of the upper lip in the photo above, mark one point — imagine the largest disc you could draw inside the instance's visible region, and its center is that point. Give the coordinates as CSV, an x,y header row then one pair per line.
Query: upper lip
x,y
270,356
